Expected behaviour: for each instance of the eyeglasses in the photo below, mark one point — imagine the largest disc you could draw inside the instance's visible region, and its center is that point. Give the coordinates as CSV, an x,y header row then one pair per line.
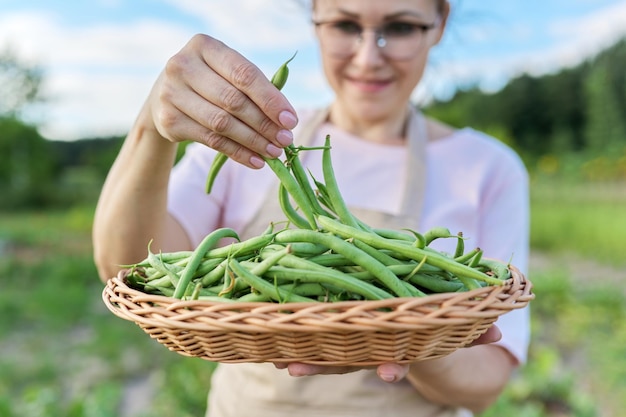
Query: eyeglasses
x,y
395,40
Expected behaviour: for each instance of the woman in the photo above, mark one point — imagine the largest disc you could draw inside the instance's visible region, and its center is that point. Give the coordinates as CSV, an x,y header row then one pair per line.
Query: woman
x,y
395,168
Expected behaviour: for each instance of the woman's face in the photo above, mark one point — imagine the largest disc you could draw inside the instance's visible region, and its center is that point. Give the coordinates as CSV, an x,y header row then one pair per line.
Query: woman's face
x,y
374,77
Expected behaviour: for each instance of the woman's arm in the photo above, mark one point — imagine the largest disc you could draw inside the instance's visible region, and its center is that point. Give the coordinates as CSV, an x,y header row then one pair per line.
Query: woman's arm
x,y
470,378
132,208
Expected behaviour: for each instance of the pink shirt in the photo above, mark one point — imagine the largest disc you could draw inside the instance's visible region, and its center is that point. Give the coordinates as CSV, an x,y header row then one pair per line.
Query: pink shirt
x,y
475,185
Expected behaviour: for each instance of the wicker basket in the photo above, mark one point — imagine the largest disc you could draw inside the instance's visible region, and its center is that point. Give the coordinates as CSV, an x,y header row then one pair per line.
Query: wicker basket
x,y
400,330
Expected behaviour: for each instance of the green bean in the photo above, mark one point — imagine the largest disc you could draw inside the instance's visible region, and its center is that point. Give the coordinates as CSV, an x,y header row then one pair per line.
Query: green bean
x,y
349,251
460,245
414,291
436,233
331,260
412,252
475,260
169,271
302,249
303,289
216,166
467,257
196,258
279,79
322,195
239,249
394,234
404,271
500,270
294,262
294,189
271,260
301,177
273,292
333,188
330,277
292,214
379,255
167,257
435,283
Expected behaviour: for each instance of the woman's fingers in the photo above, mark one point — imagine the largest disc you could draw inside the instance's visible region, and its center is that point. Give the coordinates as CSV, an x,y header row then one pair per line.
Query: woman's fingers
x,y
249,80
392,372
211,94
492,335
388,372
305,369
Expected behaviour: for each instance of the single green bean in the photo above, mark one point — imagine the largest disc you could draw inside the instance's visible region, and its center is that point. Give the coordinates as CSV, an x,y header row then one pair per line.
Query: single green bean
x,y
292,214
394,234
216,166
437,233
435,283
194,262
279,79
334,194
460,246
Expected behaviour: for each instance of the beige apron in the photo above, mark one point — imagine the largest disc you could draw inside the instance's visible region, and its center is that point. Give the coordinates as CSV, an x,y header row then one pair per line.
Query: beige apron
x,y
261,390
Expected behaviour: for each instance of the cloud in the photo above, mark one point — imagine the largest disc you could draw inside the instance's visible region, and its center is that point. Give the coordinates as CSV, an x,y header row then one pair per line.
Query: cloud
x,y
95,77
586,35
252,24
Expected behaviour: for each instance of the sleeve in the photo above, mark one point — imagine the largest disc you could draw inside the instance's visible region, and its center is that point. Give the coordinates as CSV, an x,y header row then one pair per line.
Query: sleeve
x,y
505,235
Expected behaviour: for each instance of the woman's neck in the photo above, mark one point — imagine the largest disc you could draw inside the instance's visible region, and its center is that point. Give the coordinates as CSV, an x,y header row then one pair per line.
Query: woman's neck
x,y
387,130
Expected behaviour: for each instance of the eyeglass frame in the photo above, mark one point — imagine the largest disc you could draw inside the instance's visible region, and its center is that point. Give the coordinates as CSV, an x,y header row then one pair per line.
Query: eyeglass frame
x,y
379,37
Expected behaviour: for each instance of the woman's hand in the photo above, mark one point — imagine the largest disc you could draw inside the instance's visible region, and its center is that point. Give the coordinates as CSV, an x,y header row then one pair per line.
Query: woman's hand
x,y
388,372
211,94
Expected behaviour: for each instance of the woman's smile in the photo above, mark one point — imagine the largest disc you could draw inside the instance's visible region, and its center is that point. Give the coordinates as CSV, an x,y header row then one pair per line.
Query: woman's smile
x,y
369,85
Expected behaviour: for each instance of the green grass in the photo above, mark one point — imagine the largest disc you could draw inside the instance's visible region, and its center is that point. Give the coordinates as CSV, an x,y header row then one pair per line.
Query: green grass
x,y
586,219
62,353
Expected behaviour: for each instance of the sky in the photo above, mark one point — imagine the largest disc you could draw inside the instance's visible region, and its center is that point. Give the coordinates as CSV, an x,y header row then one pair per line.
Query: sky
x,y
100,58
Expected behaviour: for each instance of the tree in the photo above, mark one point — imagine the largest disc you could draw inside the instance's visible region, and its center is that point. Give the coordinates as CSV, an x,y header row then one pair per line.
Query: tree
x,y
26,168
605,90
19,84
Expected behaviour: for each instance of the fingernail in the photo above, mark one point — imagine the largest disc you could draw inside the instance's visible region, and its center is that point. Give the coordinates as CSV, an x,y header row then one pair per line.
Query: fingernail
x,y
388,377
273,150
284,137
257,162
287,119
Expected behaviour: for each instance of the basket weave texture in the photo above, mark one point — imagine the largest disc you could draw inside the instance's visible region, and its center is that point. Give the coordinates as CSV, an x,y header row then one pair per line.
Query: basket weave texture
x,y
400,330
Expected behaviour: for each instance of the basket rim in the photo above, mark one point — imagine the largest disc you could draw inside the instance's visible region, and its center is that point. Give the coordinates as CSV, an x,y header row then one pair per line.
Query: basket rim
x,y
402,313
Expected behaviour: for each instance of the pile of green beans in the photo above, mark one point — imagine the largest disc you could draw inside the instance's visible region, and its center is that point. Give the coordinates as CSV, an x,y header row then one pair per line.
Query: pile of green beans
x,y
322,253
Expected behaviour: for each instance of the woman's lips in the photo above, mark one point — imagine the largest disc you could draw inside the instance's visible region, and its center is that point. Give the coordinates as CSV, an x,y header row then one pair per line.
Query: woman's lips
x,y
369,86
